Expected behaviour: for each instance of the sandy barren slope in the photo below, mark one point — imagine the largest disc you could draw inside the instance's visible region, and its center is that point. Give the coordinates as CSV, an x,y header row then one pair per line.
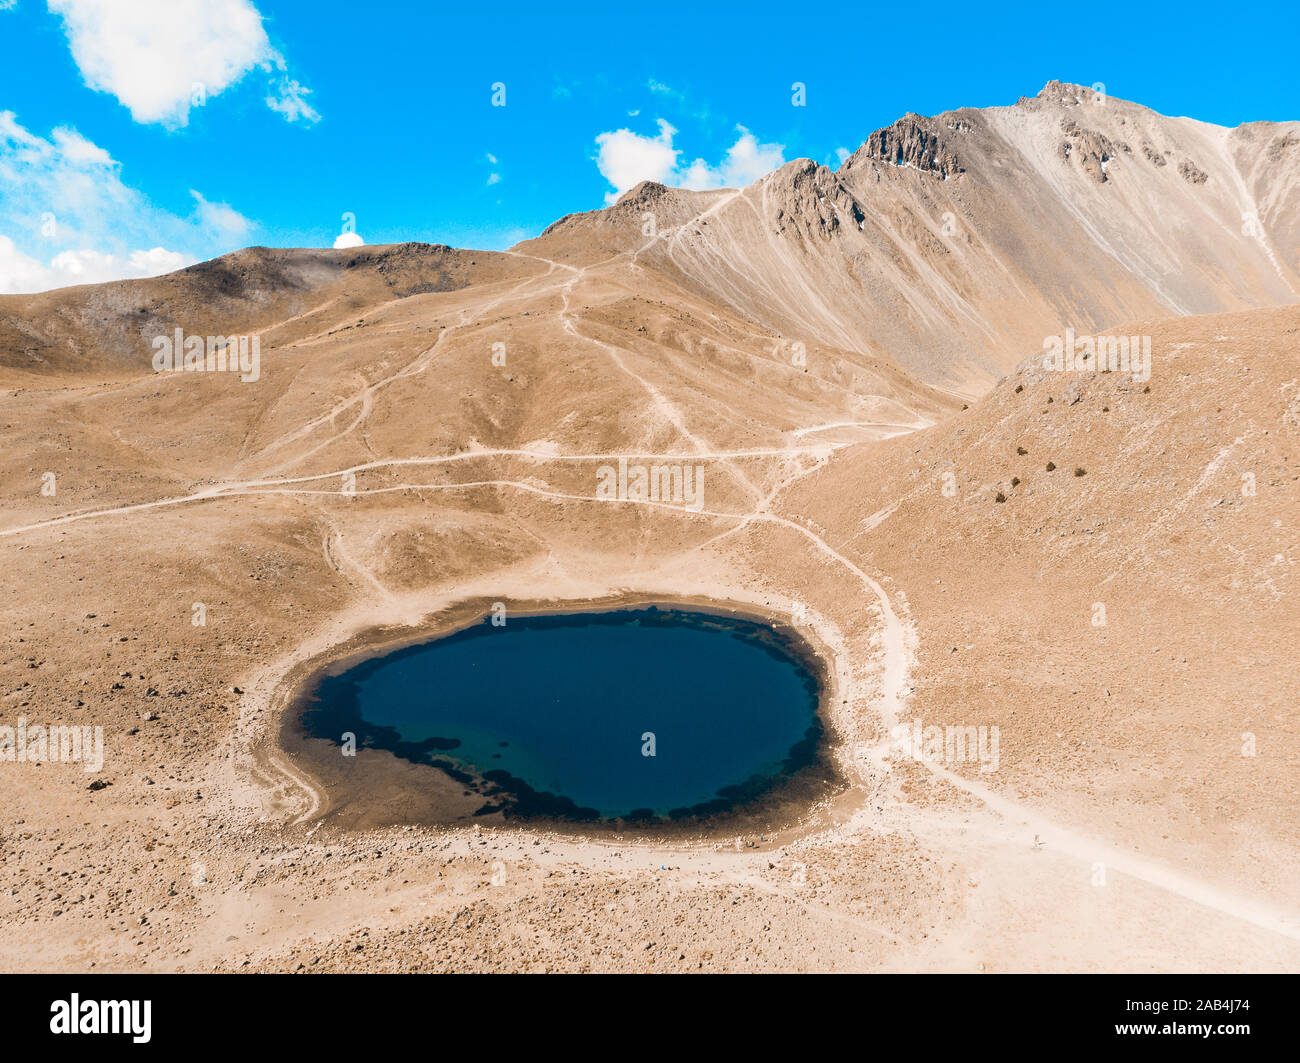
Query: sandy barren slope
x,y
387,467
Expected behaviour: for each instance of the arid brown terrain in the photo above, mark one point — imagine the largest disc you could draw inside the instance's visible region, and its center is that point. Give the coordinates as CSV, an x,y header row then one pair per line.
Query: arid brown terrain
x,y
1097,563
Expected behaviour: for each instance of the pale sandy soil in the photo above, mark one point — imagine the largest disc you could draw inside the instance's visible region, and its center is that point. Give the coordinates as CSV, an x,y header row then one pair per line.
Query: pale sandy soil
x,y
1123,829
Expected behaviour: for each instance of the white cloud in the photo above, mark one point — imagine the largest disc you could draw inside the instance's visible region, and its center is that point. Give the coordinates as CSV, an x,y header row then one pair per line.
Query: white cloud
x,y
8,5
745,162
626,159
162,57
87,266
23,273
70,219
158,260
842,154
19,272
348,240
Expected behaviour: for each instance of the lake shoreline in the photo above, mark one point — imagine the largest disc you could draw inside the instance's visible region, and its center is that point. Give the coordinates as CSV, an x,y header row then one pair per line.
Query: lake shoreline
x,y
380,789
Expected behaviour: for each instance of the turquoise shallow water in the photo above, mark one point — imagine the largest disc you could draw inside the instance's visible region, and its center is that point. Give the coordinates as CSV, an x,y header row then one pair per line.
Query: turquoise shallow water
x,y
548,715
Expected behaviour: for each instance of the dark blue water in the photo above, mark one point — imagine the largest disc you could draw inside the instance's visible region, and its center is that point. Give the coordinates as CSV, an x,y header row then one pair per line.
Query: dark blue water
x,y
547,715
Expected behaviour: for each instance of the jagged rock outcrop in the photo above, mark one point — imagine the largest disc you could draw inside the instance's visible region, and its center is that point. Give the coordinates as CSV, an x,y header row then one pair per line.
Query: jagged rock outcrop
x,y
1094,150
1064,94
816,203
917,142
1154,156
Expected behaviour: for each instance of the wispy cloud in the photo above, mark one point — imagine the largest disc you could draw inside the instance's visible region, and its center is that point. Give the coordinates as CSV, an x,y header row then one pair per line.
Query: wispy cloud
x,y
289,98
70,219
223,223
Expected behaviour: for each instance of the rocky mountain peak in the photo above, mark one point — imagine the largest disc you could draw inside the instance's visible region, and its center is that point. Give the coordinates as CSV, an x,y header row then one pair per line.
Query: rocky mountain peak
x,y
1067,94
919,142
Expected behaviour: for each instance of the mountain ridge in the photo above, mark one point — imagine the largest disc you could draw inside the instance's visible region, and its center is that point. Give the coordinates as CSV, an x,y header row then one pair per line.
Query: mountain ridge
x,y
943,241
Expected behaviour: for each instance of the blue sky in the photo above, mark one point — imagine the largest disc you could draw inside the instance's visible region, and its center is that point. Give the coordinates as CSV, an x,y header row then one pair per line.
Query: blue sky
x,y
383,110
